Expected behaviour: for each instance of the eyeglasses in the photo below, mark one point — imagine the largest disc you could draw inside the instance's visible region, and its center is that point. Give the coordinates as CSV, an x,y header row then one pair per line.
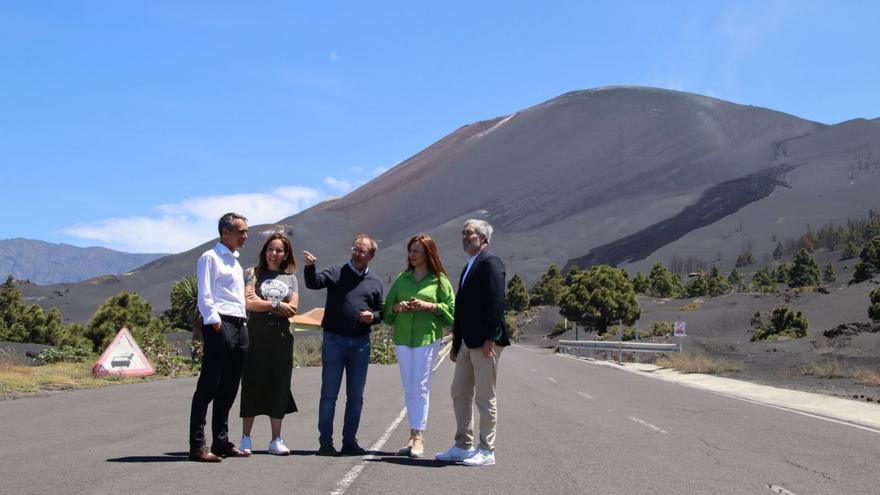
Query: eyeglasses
x,y
467,233
359,251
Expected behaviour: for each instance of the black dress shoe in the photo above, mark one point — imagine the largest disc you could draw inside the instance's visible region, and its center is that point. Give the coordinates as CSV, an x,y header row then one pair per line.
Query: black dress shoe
x,y
352,448
231,451
204,455
327,448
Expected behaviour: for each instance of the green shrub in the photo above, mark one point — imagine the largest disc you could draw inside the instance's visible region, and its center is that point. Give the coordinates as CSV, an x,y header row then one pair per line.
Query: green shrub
x,y
662,329
874,308
164,356
782,323
66,354
382,345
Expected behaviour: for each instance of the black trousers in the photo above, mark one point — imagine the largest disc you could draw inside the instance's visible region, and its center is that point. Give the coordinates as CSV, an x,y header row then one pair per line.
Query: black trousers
x,y
224,353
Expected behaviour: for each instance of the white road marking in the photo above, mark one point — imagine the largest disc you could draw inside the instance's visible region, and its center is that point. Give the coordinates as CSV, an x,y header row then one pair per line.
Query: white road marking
x,y
780,490
649,425
552,379
744,399
802,413
343,485
584,395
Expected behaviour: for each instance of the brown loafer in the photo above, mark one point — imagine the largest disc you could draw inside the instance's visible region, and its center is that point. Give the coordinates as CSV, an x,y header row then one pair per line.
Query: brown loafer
x,y
231,451
204,455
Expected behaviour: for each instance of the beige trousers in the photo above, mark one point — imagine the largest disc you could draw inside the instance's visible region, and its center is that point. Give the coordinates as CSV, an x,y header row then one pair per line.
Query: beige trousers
x,y
474,383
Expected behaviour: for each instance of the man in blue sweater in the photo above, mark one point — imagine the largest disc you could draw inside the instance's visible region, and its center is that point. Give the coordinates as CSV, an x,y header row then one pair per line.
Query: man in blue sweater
x,y
354,303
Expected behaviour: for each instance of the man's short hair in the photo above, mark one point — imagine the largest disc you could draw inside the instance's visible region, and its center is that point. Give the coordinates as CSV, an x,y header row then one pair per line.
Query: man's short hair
x,y
226,221
482,228
373,245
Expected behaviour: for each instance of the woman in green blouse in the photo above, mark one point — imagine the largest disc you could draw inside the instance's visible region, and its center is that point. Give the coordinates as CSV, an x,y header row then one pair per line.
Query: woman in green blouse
x,y
419,305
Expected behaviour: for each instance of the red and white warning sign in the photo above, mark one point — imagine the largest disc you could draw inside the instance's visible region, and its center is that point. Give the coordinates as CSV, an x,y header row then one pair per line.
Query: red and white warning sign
x,y
123,357
680,329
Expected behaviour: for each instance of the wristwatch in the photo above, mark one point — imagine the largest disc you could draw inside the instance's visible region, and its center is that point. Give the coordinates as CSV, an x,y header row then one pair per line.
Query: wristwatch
x,y
274,304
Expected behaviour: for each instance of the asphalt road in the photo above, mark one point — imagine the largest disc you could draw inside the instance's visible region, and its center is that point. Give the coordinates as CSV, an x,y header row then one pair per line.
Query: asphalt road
x,y
565,426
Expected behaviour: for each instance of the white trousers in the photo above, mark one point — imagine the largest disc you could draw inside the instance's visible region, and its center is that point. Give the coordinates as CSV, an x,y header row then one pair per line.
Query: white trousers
x,y
415,374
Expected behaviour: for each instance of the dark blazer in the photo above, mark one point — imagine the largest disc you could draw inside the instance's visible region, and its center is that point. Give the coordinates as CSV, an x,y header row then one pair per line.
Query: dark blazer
x,y
479,304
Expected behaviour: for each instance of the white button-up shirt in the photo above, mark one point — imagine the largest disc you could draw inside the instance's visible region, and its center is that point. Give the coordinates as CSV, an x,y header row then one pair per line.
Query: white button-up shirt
x,y
221,284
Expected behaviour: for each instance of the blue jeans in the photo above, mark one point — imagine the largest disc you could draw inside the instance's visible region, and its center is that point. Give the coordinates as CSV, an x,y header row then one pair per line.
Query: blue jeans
x,y
352,355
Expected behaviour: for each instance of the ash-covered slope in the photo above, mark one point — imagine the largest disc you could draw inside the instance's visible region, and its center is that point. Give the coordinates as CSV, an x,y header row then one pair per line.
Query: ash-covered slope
x,y
579,151
558,179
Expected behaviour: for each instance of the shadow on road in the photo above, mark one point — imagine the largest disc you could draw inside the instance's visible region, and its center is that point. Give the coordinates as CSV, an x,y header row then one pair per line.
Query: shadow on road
x,y
409,461
167,457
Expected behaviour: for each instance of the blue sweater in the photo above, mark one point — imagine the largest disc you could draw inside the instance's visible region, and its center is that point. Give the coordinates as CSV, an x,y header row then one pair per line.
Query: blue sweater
x,y
347,295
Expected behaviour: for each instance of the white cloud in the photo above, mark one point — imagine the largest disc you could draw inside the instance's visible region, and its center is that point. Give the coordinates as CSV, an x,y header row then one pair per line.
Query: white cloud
x,y
183,225
339,185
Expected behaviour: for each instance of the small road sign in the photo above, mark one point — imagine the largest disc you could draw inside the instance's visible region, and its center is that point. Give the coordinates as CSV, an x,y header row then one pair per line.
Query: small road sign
x,y
680,329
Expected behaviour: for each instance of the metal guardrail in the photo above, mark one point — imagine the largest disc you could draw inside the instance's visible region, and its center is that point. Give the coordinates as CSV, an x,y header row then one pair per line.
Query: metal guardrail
x,y
609,346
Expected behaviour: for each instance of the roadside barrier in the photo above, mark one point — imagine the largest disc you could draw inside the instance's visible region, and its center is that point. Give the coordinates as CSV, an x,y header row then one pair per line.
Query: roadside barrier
x,y
577,347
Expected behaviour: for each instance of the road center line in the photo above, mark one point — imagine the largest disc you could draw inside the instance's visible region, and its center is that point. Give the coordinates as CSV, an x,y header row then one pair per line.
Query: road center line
x,y
358,468
584,395
649,425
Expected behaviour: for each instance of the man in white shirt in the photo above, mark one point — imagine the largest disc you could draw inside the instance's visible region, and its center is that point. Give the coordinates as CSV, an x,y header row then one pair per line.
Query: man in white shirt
x,y
224,331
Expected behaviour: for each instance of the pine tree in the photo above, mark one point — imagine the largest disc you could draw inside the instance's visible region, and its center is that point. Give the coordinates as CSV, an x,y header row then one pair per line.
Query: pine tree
x,y
870,261
850,251
718,284
122,310
735,279
782,273
517,298
664,283
548,289
599,298
804,272
829,275
745,258
640,283
778,253
764,281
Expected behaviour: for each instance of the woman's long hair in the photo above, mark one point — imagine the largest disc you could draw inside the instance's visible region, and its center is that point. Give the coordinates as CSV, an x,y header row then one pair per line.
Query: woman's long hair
x,y
288,264
432,257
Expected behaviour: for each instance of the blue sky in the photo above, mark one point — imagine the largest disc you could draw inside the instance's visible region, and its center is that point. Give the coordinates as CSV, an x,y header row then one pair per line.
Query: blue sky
x,y
135,124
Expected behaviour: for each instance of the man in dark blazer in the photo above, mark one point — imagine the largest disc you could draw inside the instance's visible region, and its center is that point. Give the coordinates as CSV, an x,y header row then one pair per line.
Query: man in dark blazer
x,y
479,326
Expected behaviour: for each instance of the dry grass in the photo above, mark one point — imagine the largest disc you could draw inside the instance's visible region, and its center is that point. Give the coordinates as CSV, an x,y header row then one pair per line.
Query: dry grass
x,y
831,368
693,305
834,368
689,362
868,377
307,352
17,380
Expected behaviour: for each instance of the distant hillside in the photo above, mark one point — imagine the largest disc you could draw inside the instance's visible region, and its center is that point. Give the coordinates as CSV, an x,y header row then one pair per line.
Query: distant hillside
x,y
619,175
47,263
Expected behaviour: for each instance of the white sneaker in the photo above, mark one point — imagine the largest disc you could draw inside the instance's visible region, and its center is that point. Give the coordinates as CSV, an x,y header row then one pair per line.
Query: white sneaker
x,y
481,458
245,445
279,447
455,454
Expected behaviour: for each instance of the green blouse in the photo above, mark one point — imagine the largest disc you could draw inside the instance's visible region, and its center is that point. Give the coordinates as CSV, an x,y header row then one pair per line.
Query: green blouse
x,y
420,328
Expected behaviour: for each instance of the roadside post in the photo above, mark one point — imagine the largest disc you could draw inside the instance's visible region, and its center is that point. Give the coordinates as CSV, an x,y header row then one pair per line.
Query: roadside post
x,y
680,332
620,340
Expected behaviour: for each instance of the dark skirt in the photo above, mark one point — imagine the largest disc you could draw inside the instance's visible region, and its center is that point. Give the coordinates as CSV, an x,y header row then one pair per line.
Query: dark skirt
x,y
265,379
